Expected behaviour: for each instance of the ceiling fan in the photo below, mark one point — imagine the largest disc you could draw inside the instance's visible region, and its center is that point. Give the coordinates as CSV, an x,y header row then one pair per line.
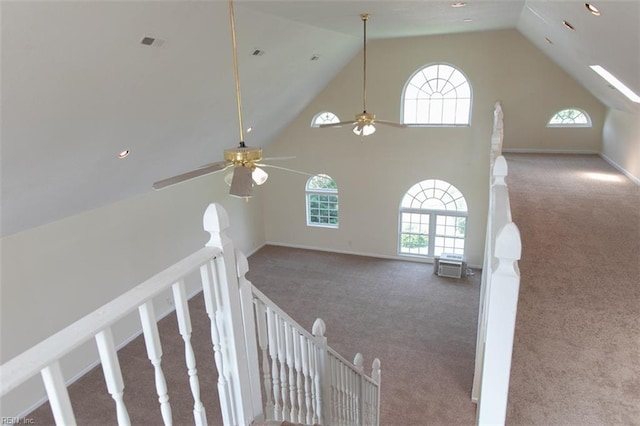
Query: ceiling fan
x,y
245,160
364,124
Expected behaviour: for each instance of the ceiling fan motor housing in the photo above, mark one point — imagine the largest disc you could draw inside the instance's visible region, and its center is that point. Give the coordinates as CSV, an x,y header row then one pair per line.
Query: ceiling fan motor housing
x,y
243,155
365,118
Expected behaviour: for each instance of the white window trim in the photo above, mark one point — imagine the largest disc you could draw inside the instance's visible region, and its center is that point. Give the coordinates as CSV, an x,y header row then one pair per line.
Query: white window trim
x,y
404,89
315,117
432,228
320,191
587,124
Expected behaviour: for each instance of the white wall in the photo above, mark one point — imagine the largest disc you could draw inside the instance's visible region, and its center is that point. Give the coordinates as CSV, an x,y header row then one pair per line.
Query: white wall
x,y
55,274
621,142
373,175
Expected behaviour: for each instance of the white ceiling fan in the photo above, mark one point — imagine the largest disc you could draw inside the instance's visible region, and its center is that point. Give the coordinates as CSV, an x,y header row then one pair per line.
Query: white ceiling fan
x,y
245,160
364,123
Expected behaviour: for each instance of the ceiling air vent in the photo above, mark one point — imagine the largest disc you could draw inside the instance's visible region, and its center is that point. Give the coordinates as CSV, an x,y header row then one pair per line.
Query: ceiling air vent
x,y
151,41
258,52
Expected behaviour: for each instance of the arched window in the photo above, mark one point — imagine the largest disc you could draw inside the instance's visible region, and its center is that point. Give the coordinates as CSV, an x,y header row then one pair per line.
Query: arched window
x,y
437,95
324,117
570,117
322,201
433,220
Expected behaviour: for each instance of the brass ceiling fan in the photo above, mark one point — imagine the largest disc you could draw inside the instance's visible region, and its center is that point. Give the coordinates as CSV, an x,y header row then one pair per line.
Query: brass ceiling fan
x,y
245,160
364,123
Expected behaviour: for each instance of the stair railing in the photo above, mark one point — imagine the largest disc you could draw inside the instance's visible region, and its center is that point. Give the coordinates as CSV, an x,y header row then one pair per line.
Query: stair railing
x,y
499,292
304,380
217,265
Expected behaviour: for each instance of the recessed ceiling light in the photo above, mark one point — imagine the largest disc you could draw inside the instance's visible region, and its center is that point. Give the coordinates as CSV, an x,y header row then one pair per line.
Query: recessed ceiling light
x,y
458,4
468,20
591,8
616,83
249,129
568,25
124,154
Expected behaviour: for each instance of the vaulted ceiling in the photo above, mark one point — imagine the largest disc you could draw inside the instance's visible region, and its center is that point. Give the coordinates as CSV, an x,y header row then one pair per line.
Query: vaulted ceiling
x,y
78,86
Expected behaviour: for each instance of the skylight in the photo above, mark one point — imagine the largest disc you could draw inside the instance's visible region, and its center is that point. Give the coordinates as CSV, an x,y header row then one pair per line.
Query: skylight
x,y
611,79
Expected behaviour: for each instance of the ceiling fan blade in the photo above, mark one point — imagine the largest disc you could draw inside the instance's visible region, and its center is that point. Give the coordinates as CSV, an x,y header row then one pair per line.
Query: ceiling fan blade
x,y
342,123
242,182
285,169
390,123
204,170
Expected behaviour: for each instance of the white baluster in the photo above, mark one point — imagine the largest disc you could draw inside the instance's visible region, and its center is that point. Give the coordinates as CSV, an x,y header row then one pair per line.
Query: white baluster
x,y
315,382
211,307
288,339
304,354
360,383
282,361
323,373
344,399
58,394
297,361
375,375
154,353
263,343
112,373
272,329
184,326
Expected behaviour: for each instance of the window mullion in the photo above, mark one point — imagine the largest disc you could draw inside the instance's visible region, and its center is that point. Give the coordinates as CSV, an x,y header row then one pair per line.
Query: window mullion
x,y
432,233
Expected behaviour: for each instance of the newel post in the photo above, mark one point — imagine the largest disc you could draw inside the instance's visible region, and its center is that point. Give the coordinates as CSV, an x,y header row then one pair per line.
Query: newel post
x,y
501,321
323,376
216,222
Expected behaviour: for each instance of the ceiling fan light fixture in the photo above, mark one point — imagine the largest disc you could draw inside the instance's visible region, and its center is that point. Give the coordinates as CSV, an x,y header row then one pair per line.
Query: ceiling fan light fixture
x,y
259,176
364,129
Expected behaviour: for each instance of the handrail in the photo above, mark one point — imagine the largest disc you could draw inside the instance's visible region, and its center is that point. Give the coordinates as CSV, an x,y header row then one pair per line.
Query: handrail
x,y
499,291
260,295
29,363
304,379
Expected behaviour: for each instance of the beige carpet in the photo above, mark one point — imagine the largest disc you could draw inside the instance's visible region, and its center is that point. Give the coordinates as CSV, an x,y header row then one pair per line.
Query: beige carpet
x,y
576,355
422,327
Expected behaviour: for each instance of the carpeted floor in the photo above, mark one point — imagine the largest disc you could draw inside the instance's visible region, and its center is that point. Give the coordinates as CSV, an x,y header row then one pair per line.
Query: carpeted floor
x,y
422,327
576,358
576,354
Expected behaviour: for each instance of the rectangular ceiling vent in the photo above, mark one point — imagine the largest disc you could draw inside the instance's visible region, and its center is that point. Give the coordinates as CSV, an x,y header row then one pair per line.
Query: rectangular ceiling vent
x,y
152,41
258,52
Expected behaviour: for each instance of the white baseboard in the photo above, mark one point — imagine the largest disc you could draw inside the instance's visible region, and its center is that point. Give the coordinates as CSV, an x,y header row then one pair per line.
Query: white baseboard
x,y
621,169
356,253
549,151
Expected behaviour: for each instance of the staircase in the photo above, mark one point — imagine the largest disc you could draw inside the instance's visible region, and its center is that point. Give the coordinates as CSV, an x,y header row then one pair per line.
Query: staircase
x,y
270,370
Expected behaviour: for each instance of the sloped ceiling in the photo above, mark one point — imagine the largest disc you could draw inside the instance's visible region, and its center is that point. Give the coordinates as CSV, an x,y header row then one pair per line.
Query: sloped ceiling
x,y
78,87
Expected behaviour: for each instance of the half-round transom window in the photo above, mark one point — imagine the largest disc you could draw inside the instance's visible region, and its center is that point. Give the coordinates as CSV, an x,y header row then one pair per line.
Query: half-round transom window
x,y
570,117
324,117
437,95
